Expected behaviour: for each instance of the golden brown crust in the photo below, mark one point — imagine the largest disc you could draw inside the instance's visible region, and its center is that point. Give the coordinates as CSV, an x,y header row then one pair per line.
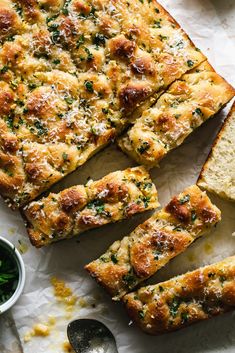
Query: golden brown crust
x,y
76,72
187,103
185,299
116,196
155,242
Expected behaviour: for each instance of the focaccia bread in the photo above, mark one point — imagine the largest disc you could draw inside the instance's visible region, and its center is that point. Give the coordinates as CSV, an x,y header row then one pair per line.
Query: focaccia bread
x,y
117,196
152,244
71,75
184,300
218,172
188,103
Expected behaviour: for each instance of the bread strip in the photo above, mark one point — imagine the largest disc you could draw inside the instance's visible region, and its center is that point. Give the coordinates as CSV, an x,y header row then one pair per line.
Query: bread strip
x,y
115,197
218,172
152,244
183,300
187,104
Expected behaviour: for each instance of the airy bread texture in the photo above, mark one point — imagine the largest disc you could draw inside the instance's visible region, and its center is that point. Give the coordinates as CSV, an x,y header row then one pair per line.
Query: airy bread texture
x,y
152,244
184,300
187,104
218,172
115,197
72,73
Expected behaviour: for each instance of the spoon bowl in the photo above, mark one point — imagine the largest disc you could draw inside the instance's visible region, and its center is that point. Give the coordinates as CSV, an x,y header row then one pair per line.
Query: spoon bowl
x,y
91,336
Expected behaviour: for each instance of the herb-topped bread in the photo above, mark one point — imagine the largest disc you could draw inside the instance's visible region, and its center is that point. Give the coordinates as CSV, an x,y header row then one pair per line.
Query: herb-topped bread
x,y
152,244
117,196
184,300
218,172
72,73
187,104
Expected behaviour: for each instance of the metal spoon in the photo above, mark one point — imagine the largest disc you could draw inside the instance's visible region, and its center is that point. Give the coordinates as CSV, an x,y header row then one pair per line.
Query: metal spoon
x,y
91,336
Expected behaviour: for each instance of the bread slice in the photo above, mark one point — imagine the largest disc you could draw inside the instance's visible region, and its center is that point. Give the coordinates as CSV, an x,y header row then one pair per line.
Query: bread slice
x,y
184,300
218,172
71,75
117,196
187,104
152,244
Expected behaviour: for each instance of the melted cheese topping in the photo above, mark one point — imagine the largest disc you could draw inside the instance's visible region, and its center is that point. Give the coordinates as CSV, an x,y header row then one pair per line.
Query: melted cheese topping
x,y
185,299
154,243
117,196
188,103
72,73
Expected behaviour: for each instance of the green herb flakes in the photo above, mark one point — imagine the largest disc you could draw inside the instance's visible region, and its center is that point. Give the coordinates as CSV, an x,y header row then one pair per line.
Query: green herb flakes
x,y
89,86
9,275
184,199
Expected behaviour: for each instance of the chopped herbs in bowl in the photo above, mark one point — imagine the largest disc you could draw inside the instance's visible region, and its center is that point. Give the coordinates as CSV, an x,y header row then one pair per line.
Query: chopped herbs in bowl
x,y
12,275
9,274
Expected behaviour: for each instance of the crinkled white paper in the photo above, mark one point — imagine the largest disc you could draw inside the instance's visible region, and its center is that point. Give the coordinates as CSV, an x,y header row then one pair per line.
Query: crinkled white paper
x,y
66,260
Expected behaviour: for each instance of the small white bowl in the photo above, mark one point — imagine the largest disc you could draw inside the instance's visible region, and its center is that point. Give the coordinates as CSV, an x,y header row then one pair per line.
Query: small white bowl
x,y
21,281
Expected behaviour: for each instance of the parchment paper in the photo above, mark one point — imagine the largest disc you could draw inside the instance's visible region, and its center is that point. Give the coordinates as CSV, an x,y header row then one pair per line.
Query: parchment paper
x,y
66,260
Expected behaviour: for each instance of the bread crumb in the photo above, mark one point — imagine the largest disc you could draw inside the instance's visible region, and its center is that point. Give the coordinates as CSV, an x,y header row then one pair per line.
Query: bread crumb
x,y
41,330
60,289
67,347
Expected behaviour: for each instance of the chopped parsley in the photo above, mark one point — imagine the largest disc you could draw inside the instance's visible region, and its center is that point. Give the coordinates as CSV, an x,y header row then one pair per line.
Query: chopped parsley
x,y
68,100
56,61
184,317
41,130
32,86
141,314
55,32
80,41
211,274
4,69
190,63
114,258
129,279
65,156
105,111
99,39
9,275
162,38
157,23
222,279
10,120
104,259
146,200
198,111
89,54
184,199
193,216
97,204
174,306
89,86
144,147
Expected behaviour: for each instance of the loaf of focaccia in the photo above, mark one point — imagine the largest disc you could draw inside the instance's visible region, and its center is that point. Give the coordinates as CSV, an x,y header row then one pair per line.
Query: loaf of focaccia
x,y
183,300
218,172
155,242
115,197
188,103
72,73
